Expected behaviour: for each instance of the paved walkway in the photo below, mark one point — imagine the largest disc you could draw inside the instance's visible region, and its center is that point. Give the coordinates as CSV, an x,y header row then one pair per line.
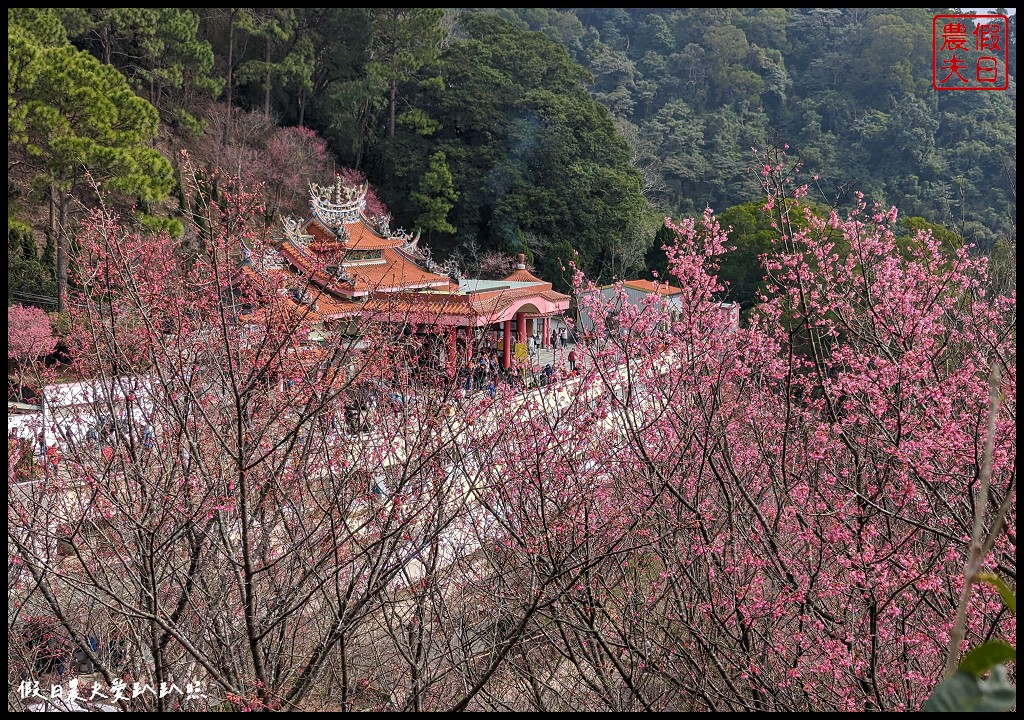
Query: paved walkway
x,y
558,357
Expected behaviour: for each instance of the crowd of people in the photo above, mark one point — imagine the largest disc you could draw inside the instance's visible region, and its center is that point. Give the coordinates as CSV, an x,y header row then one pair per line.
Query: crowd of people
x,y
484,372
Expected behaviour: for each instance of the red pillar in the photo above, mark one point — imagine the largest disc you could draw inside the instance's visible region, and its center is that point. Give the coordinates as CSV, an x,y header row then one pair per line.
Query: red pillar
x,y
520,328
506,345
452,351
469,344
545,332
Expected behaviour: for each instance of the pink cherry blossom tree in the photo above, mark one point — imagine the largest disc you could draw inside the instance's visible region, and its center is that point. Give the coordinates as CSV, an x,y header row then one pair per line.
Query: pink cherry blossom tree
x,y
29,337
293,155
811,477
224,524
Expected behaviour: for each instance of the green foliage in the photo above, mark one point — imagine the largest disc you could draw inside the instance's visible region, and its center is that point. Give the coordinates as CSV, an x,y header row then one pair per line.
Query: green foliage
x,y
848,89
49,258
536,163
60,322
284,55
508,96
82,116
188,123
30,278
405,41
983,658
158,50
949,239
44,26
338,91
656,260
419,122
155,225
1003,266
675,140
23,52
751,235
965,693
1008,596
78,124
436,196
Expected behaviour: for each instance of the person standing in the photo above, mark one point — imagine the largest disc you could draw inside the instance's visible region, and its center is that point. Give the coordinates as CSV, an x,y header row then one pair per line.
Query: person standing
x,y
531,346
563,337
52,456
477,373
572,361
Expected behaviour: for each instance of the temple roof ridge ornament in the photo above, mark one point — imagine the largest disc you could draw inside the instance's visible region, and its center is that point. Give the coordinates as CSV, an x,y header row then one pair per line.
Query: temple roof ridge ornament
x,y
450,267
411,246
382,224
271,259
337,204
339,273
293,231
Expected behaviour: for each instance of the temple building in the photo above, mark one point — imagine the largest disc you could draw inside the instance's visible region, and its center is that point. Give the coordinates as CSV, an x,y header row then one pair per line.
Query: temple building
x,y
351,267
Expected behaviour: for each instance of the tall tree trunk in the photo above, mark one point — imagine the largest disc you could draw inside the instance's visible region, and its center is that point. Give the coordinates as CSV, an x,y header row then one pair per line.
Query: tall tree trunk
x,y
302,108
364,122
107,43
58,213
391,110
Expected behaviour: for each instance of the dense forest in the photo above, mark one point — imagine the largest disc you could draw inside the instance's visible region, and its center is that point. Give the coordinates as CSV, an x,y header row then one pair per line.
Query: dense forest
x,y
563,133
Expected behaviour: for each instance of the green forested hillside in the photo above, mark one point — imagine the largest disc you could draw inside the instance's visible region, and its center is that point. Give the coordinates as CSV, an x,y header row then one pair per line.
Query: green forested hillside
x,y
549,131
850,90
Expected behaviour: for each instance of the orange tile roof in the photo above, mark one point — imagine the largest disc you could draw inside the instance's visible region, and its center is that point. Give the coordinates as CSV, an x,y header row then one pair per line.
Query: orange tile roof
x,y
299,258
649,287
299,313
523,275
319,233
432,306
360,237
396,271
247,274
428,304
330,306
393,284
394,274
